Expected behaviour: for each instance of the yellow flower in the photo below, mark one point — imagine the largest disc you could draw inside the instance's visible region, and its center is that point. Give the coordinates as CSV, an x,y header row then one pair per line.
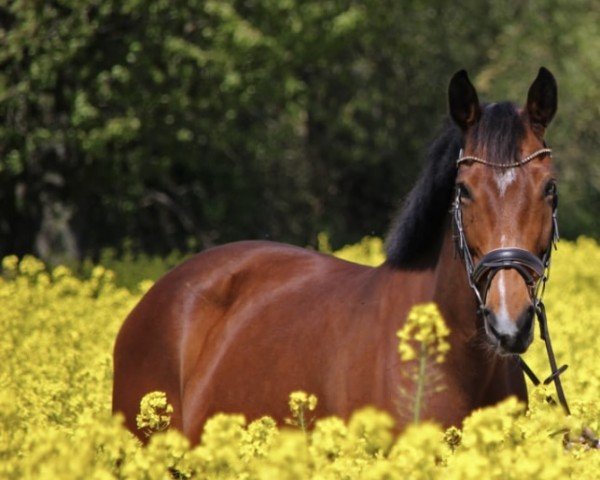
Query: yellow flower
x,y
56,339
10,264
424,325
155,413
301,401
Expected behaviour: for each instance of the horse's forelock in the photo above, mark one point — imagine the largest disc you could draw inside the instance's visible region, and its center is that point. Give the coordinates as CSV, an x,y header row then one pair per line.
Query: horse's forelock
x,y
499,133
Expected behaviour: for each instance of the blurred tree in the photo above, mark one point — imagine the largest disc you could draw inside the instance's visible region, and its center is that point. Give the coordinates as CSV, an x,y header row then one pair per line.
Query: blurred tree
x,y
565,37
184,123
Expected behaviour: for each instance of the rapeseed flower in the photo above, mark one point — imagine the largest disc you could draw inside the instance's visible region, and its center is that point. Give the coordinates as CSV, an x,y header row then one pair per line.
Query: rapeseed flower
x,y
155,413
425,326
56,337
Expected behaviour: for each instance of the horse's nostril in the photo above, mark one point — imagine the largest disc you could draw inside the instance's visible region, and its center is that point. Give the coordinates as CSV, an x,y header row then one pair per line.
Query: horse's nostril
x,y
501,338
492,323
525,320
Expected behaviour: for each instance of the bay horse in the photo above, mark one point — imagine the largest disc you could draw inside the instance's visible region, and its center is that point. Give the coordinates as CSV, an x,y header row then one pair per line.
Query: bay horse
x,y
238,327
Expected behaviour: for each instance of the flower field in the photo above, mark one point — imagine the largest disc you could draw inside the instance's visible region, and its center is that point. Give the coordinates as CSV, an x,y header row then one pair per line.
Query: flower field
x,y
56,337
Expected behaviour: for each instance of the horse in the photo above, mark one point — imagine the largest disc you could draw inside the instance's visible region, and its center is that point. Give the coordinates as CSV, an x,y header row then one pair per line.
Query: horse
x,y
238,327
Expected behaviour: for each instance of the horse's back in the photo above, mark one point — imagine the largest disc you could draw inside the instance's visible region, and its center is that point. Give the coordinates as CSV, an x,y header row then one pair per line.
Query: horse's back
x,y
241,321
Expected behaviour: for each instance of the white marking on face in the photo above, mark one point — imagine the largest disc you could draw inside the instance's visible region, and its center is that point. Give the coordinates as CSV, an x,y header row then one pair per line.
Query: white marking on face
x,y
505,178
504,324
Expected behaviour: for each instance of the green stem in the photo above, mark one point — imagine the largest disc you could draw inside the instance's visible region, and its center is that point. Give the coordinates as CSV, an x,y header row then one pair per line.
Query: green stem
x,y
301,420
420,383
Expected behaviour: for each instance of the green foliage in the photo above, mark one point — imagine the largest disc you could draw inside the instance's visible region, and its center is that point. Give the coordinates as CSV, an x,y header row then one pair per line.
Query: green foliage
x,y
210,121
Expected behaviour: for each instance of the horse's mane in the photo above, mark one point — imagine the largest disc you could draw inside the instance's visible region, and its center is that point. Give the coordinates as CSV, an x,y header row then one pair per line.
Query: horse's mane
x,y
416,234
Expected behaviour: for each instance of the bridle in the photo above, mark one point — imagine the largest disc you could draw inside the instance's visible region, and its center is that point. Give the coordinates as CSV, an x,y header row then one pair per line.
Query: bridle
x,y
533,269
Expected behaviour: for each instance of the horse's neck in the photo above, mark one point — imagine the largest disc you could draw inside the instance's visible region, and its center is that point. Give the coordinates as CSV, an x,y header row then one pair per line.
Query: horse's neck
x,y
443,281
475,375
452,291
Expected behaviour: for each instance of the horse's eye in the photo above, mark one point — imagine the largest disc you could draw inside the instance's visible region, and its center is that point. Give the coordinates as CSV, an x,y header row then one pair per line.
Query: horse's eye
x,y
465,193
550,189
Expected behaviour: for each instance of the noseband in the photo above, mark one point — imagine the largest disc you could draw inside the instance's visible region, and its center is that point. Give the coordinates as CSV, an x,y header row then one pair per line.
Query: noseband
x,y
533,269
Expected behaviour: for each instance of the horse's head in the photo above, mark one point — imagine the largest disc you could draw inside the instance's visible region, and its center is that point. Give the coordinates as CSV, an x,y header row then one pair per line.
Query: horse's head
x,y
505,204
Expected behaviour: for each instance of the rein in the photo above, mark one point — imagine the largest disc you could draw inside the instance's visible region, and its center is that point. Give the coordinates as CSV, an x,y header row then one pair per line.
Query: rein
x,y
534,271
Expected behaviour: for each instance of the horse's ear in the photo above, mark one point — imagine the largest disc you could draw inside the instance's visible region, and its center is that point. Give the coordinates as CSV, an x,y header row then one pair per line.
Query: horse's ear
x,y
463,101
542,99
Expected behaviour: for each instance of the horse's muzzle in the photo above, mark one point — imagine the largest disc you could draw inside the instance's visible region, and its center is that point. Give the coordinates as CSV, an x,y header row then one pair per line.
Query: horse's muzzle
x,y
515,342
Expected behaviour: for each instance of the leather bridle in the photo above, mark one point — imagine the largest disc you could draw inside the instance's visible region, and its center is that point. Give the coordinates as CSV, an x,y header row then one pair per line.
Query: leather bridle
x,y
533,269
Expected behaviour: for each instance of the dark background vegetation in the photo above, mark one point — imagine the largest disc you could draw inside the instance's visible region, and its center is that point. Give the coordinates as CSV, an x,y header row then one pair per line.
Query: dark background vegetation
x,y
169,124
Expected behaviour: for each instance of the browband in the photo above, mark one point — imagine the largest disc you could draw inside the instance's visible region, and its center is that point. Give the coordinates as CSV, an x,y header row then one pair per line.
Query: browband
x,y
527,159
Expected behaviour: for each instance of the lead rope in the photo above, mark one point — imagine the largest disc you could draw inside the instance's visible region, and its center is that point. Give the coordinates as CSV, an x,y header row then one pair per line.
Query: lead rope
x,y
556,372
540,311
